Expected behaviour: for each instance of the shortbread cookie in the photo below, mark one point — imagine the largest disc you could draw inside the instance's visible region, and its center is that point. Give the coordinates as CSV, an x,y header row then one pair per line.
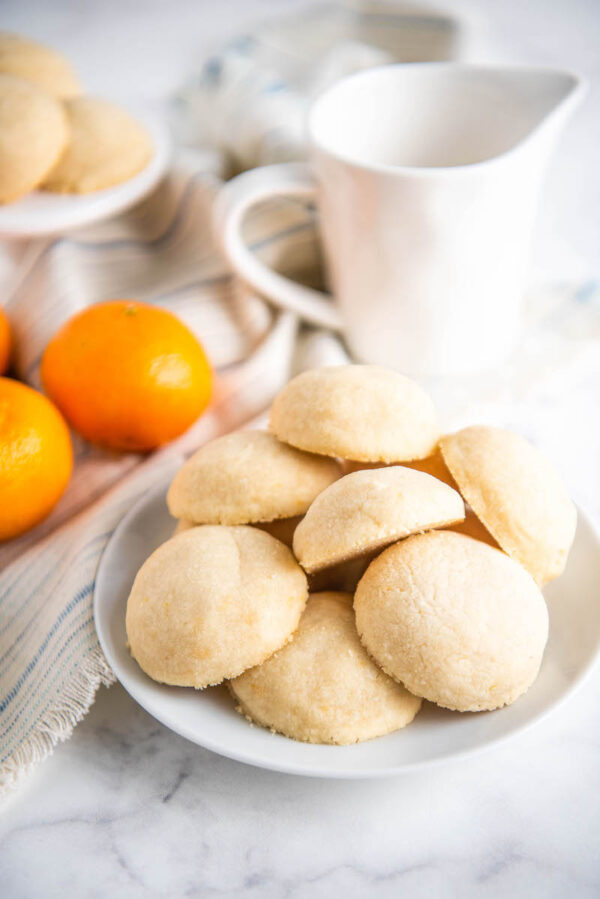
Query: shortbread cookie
x,y
33,135
212,602
248,476
38,64
435,466
322,687
360,412
107,147
457,622
368,509
517,494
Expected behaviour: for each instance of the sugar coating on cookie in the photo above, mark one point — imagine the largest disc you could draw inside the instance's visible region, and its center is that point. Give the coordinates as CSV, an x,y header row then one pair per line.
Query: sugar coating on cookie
x,y
107,146
33,135
454,620
38,64
248,476
368,509
211,602
322,687
518,495
360,412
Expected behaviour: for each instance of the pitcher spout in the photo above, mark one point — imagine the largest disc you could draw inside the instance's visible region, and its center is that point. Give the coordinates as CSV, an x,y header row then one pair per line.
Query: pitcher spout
x,y
543,98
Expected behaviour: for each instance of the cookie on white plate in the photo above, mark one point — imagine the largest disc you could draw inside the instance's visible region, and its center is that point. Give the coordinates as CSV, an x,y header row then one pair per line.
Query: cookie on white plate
x,y
518,495
365,413
456,621
247,477
366,510
106,147
42,66
33,136
323,687
211,602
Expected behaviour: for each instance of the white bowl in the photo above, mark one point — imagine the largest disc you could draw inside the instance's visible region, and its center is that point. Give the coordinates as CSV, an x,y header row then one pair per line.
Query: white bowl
x,y
44,213
209,719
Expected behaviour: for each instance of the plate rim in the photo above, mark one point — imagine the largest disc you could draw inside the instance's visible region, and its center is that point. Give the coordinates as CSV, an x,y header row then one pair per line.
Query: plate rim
x,y
302,769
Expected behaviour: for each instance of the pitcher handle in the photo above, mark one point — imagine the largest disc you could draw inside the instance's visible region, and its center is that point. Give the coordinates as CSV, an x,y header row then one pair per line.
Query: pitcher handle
x,y
233,201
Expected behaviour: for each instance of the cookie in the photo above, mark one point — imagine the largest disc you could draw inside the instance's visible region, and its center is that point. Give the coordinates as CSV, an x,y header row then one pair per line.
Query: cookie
x,y
248,476
360,412
517,494
322,687
457,622
435,466
368,509
33,136
38,64
212,602
107,147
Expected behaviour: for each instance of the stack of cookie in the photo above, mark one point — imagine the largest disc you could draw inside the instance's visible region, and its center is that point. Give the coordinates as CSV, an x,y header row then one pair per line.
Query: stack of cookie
x,y
54,138
330,572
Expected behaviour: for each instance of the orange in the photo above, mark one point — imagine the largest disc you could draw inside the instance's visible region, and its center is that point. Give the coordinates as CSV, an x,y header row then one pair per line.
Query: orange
x,y
127,375
5,342
36,457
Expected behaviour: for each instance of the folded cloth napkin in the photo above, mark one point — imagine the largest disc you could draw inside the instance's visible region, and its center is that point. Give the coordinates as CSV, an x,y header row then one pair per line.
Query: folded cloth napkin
x,y
162,251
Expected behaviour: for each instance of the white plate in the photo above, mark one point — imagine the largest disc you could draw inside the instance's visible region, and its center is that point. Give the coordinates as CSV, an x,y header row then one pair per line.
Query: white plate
x,y
40,213
209,718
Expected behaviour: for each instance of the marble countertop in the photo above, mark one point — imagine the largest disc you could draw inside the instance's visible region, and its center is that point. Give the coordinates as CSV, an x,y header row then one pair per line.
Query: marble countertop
x,y
128,809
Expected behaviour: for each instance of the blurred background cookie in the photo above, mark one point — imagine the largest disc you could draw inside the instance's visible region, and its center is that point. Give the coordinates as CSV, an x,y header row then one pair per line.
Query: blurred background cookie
x,y
456,621
212,602
360,412
33,136
39,64
107,146
322,687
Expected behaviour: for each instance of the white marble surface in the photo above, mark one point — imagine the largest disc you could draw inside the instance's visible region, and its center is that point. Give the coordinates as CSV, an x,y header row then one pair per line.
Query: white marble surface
x,y
128,809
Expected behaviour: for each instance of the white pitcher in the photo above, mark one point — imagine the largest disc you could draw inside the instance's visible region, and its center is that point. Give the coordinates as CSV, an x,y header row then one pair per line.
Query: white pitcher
x,y
426,178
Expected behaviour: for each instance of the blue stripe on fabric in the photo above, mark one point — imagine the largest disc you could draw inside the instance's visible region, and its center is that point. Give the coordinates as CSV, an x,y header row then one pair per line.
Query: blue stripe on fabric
x,y
15,647
23,703
59,673
79,596
23,604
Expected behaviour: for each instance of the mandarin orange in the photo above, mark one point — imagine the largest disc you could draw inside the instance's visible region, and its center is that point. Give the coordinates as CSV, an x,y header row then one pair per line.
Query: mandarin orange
x,y
5,342
127,375
36,457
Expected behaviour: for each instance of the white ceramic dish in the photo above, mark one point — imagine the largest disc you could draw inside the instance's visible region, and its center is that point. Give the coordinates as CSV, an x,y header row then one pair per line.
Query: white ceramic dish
x,y
40,213
209,719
